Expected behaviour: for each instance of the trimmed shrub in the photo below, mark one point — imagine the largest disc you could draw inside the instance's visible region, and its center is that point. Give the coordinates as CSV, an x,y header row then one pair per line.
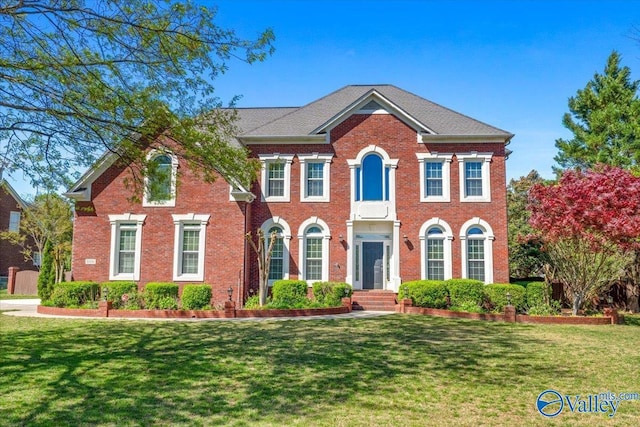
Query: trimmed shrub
x,y
425,293
465,292
330,294
154,292
289,292
536,294
115,290
74,294
167,303
497,294
196,297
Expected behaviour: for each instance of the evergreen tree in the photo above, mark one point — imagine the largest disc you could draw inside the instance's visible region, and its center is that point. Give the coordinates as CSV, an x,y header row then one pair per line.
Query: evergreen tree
x,y
604,121
47,278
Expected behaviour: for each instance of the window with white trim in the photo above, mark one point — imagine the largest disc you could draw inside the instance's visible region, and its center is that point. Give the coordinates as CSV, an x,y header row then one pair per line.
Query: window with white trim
x,y
435,177
435,241
14,221
126,244
276,177
189,247
276,267
313,237
474,177
477,238
160,184
37,258
315,177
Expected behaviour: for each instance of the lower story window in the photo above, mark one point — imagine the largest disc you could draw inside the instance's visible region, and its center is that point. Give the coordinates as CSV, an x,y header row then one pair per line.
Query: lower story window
x,y
276,268
435,259
314,258
126,246
475,259
189,248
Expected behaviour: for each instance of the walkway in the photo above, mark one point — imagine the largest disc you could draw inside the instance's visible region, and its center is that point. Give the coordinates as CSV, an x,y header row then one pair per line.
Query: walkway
x,y
27,308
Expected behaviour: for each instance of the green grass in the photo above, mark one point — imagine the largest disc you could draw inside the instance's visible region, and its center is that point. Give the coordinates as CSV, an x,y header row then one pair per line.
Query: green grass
x,y
387,371
5,295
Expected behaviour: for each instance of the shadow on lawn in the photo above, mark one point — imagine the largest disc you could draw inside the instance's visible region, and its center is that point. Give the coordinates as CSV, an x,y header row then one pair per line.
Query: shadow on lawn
x,y
93,372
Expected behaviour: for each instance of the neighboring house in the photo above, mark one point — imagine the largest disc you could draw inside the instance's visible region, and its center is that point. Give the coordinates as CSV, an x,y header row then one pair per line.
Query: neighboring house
x,y
370,184
11,207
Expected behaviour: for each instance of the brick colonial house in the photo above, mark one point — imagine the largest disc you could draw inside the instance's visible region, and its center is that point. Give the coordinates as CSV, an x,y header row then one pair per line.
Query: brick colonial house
x,y
370,184
11,206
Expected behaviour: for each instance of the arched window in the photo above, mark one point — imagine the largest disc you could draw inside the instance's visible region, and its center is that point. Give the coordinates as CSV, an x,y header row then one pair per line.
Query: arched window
x,y
276,268
475,254
160,180
435,254
313,253
373,175
313,256
436,237
477,250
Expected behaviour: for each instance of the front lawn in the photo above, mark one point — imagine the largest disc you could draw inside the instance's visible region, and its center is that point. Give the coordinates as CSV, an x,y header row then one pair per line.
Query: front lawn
x,y
386,371
5,295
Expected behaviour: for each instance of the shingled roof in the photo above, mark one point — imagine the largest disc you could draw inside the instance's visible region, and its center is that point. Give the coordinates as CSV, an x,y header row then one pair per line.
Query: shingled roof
x,y
314,117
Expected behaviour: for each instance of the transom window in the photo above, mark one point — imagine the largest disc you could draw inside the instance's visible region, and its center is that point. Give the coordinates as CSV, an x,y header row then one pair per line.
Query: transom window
x,y
276,268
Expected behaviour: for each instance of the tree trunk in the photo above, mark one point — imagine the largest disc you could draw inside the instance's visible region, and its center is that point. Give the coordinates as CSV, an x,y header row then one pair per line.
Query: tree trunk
x,y
578,300
633,294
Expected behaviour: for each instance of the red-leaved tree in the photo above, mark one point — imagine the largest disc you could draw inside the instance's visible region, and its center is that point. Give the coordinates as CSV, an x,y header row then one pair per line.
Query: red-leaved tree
x,y
589,222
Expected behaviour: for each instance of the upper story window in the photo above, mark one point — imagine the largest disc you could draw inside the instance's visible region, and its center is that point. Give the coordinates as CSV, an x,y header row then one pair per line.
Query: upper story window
x,y
474,177
189,247
276,177
14,221
160,182
372,179
435,178
126,246
315,177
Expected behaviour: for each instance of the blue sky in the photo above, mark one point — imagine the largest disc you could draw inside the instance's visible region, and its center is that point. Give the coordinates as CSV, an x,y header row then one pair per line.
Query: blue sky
x,y
512,64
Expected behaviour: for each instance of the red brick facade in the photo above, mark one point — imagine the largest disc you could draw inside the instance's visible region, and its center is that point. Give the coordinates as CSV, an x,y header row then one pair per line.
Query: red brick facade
x,y
10,255
227,260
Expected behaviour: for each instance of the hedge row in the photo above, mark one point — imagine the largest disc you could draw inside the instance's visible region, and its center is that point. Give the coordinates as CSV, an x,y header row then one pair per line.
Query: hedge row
x,y
473,295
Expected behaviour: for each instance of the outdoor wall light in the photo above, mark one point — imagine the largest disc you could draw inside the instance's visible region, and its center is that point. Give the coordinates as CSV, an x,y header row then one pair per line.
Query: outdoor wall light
x,y
406,239
230,292
341,238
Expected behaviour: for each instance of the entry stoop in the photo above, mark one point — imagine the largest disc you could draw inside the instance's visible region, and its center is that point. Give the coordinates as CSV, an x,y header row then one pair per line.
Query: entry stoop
x,y
373,300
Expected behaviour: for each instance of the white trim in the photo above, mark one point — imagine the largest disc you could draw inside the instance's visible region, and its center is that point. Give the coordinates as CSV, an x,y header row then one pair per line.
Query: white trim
x,y
430,138
266,159
488,247
116,221
324,159
355,107
286,238
445,160
448,237
485,158
171,202
302,247
180,221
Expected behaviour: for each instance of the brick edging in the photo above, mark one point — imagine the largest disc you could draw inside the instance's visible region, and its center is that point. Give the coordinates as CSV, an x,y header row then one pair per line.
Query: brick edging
x,y
611,316
189,314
